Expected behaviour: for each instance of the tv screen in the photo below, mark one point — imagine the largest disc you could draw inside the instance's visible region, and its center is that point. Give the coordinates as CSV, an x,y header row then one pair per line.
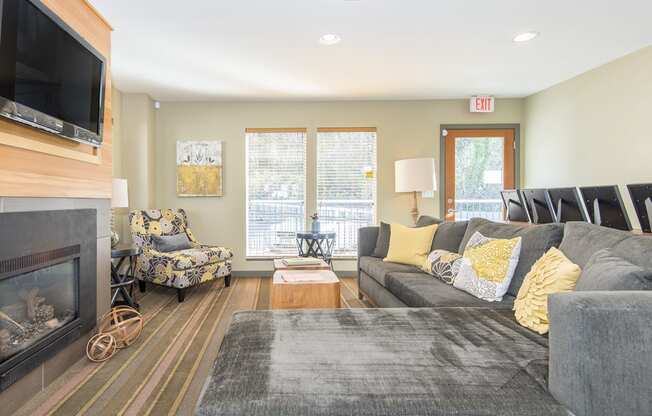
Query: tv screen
x,y
45,66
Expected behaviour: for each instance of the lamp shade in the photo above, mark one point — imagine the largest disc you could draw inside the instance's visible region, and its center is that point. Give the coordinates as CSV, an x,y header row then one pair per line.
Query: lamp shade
x,y
120,198
415,175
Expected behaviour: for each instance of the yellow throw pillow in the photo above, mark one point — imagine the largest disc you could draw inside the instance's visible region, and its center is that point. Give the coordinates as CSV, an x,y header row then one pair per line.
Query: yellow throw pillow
x,y
410,245
552,273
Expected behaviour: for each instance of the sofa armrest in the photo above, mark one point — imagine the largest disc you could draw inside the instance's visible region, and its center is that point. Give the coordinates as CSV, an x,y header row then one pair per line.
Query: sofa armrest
x,y
367,237
601,352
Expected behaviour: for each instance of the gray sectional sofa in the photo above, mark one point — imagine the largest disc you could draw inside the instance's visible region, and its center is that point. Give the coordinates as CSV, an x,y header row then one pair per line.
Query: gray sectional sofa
x,y
390,285
433,350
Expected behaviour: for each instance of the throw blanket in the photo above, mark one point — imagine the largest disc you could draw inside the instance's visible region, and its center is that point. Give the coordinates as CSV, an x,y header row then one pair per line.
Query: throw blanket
x,y
426,361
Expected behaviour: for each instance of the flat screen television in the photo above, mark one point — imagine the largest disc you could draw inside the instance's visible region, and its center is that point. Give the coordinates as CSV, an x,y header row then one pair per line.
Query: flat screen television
x,y
50,78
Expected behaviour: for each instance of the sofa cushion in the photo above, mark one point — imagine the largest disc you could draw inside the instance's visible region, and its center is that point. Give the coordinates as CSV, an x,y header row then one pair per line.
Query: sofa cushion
x,y
384,232
536,241
426,220
488,266
409,245
382,243
606,271
419,290
198,256
167,243
552,273
378,269
449,236
444,265
582,240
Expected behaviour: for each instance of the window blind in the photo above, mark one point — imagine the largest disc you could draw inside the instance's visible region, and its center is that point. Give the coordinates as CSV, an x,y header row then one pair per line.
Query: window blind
x,y
276,179
346,183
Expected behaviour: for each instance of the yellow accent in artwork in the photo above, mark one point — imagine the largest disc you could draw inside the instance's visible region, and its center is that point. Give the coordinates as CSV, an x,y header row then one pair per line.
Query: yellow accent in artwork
x,y
194,180
491,259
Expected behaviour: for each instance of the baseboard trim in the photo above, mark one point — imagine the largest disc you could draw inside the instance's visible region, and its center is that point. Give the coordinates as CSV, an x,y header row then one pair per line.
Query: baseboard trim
x,y
268,273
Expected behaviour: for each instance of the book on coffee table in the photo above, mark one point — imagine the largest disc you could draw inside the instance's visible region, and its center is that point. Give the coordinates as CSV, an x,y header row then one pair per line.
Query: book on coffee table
x,y
300,264
301,261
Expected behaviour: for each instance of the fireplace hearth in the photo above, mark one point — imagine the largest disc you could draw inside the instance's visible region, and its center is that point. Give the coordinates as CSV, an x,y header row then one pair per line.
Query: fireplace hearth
x,y
47,266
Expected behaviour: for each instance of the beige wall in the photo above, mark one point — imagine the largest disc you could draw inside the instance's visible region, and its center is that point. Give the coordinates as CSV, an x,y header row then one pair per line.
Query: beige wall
x,y
138,148
593,129
119,216
405,129
118,169
134,156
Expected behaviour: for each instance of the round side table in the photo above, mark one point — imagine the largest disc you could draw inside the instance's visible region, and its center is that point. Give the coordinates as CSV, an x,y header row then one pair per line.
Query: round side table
x,y
319,245
121,281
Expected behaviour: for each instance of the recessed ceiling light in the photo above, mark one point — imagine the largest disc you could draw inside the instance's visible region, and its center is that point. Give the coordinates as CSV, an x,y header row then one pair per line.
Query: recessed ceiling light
x,y
329,39
525,37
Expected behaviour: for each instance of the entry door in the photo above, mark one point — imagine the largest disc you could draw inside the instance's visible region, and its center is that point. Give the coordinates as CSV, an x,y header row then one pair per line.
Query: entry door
x,y
478,165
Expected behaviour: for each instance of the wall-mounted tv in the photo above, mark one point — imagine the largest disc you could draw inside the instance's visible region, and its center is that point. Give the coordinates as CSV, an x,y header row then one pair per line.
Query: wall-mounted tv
x,y
50,78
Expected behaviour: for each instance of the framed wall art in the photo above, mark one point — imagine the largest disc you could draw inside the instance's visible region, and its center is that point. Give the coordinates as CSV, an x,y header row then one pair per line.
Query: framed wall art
x,y
199,168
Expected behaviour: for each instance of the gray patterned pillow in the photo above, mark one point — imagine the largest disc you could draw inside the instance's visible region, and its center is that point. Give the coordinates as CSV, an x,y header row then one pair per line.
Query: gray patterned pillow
x,y
444,265
168,243
488,266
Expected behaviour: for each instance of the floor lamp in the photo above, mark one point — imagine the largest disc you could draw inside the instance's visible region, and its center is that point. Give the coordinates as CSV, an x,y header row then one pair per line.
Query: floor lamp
x,y
415,175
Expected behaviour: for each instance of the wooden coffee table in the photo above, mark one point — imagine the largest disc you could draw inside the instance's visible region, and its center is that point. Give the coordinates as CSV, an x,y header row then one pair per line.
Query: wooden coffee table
x,y
321,293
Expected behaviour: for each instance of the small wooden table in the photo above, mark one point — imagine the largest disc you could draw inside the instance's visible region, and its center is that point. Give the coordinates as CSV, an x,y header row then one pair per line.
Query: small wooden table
x,y
322,293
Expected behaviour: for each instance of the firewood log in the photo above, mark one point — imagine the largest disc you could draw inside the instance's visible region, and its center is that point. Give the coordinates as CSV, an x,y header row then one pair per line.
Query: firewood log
x,y
5,317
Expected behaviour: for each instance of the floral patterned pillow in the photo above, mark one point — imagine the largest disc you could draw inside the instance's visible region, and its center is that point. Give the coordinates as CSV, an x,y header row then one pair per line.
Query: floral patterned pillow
x,y
444,265
488,266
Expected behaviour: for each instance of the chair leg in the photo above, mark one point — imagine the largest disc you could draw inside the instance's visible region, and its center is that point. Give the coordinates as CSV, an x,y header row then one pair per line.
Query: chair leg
x,y
227,280
181,294
142,286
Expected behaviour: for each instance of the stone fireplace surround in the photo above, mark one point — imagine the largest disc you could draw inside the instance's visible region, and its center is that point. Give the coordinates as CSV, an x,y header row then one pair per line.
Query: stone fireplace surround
x,y
54,364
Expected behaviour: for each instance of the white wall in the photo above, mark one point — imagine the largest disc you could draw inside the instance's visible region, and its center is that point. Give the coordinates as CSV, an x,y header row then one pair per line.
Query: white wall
x,y
593,129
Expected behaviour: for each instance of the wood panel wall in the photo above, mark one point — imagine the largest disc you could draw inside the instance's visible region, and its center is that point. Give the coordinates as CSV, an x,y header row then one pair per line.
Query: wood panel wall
x,y
38,164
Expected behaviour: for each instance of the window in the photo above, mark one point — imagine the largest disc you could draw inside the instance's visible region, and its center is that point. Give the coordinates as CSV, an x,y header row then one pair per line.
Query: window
x,y
346,183
276,182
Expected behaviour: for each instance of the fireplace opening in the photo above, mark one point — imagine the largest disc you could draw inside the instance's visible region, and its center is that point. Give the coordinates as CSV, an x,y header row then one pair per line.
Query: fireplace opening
x,y
39,305
48,286
35,304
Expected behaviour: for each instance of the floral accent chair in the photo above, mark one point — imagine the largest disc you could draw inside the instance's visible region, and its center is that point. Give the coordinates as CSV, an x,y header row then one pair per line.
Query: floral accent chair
x,y
177,269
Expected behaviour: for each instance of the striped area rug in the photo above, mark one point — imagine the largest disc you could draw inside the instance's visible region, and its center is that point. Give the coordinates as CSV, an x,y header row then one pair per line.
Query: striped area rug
x,y
163,372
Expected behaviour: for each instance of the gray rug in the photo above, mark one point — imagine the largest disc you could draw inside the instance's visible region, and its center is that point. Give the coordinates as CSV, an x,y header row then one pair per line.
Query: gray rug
x,y
446,361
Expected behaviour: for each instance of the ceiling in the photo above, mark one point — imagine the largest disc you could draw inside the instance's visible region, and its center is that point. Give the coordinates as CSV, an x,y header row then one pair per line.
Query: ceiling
x,y
391,49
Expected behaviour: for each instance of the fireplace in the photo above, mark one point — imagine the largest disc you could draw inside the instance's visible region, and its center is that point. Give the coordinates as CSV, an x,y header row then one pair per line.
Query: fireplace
x,y
47,286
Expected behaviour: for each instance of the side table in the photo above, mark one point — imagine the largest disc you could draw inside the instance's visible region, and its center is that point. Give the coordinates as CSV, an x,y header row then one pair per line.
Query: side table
x,y
120,282
319,245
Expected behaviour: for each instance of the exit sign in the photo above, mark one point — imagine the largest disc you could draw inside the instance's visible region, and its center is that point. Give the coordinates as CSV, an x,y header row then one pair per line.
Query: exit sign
x,y
482,104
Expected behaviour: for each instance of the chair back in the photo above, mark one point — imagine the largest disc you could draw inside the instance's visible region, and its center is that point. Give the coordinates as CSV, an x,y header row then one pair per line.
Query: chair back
x,y
159,222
